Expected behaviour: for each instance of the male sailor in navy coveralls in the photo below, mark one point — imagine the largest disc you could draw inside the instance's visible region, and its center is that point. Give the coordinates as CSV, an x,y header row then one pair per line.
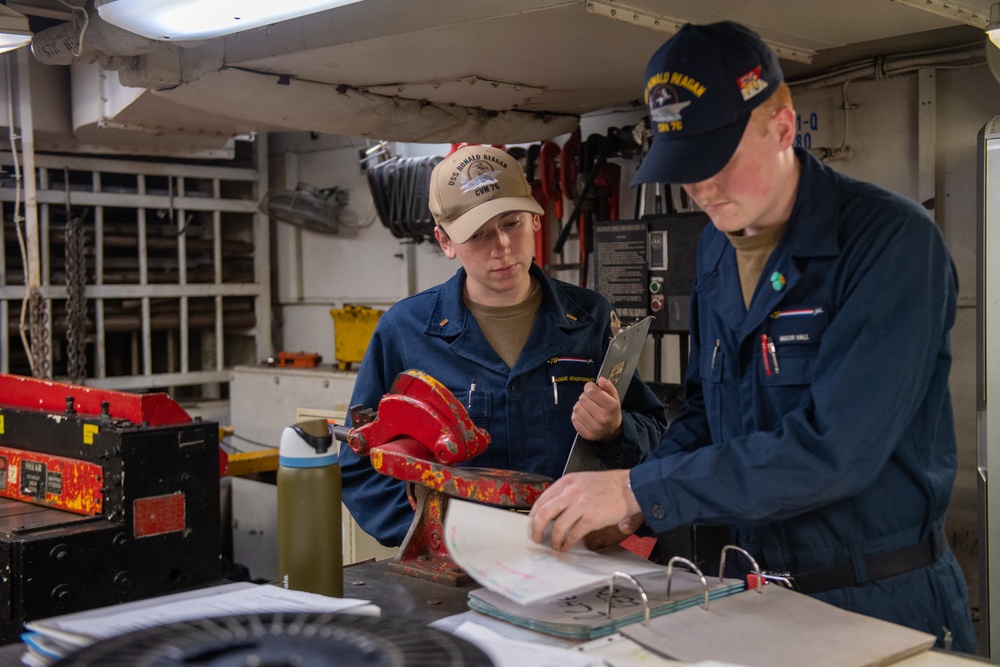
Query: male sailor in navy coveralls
x,y
818,421
520,349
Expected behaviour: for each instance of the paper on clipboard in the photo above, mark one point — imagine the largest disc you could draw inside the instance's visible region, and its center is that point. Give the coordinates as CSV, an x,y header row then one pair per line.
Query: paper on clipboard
x,y
618,366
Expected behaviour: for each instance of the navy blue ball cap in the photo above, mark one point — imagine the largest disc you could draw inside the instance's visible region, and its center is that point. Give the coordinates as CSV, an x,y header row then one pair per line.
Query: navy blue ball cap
x,y
701,87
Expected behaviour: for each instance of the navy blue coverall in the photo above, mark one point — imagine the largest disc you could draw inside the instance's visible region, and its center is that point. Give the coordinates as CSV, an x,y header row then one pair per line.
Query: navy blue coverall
x,y
839,444
527,419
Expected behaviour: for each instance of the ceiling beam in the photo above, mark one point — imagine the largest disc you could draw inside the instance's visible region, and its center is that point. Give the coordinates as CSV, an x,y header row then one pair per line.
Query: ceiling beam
x,y
957,11
613,9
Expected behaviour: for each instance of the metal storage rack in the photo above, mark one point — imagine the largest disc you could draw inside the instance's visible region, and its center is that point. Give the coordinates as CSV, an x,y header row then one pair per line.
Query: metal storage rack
x,y
177,271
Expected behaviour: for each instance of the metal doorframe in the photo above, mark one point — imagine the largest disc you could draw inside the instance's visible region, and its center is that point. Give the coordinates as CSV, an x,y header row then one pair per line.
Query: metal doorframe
x,y
988,381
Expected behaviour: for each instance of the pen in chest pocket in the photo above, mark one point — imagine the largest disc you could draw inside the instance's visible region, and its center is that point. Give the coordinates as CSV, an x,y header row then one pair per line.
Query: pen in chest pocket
x,y
768,352
763,354
559,370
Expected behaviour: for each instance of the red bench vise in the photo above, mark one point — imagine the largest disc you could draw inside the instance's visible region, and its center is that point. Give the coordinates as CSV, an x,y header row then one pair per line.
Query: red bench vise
x,y
420,433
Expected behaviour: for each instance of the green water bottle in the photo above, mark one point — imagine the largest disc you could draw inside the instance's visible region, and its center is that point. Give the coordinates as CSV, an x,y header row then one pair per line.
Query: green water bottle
x,y
310,556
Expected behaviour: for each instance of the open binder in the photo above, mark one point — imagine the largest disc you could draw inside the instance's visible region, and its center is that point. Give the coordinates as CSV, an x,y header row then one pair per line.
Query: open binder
x,y
752,628
601,610
569,594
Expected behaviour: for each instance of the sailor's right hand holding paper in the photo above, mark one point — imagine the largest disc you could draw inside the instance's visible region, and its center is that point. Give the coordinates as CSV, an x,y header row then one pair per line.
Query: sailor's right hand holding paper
x,y
581,503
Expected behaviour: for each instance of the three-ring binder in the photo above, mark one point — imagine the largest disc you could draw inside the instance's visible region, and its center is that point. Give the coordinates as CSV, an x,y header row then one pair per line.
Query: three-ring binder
x,y
738,628
693,568
622,598
746,554
680,560
638,586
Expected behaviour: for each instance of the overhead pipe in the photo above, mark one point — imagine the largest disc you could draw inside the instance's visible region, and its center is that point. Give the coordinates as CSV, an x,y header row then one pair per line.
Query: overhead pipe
x,y
88,38
882,67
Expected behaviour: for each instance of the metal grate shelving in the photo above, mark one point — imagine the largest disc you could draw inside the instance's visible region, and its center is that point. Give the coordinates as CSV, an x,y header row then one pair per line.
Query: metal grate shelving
x,y
175,272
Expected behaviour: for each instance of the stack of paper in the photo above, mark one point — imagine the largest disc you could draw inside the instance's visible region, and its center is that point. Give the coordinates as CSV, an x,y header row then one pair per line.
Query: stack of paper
x,y
48,640
563,594
494,547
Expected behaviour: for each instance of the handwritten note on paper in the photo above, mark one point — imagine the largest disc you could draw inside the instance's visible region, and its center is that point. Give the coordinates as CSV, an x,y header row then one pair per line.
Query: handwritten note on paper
x,y
493,546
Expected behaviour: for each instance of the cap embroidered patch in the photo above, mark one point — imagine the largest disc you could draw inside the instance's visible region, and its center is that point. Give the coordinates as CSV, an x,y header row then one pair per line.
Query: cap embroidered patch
x,y
664,102
664,109
750,83
479,174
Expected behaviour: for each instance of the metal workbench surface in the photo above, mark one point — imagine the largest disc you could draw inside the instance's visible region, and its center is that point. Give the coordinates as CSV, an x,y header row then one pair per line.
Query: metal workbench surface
x,y
401,595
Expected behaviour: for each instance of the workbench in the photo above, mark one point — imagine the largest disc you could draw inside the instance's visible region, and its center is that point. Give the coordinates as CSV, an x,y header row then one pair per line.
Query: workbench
x,y
428,602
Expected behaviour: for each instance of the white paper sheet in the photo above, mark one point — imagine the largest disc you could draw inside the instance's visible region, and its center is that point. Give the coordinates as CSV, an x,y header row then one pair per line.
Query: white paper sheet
x,y
243,598
494,547
506,652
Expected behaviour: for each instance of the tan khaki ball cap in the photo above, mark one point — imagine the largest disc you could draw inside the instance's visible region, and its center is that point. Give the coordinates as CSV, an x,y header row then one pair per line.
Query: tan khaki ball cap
x,y
472,185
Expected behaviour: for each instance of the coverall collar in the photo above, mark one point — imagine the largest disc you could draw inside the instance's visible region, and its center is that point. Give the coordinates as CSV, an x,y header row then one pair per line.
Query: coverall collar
x,y
449,318
811,232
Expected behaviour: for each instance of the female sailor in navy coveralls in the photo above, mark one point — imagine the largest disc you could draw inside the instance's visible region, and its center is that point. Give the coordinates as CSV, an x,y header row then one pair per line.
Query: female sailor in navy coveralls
x,y
521,350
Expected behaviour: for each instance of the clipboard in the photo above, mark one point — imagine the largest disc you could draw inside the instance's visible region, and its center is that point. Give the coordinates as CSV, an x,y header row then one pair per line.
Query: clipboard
x,y
618,366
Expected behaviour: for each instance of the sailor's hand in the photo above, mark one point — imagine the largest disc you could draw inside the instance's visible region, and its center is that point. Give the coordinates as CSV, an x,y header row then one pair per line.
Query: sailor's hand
x,y
581,503
612,535
597,415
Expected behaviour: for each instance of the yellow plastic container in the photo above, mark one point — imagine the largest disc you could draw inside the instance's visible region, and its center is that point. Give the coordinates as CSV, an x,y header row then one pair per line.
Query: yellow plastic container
x,y
353,327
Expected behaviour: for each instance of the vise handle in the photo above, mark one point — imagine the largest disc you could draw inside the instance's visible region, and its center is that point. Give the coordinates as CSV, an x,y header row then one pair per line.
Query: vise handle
x,y
420,408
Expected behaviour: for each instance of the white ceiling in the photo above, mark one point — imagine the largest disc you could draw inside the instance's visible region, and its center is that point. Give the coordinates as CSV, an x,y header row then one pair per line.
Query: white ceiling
x,y
502,72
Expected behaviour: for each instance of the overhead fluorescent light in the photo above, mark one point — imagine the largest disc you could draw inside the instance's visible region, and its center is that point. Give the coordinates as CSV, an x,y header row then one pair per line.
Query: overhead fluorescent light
x,y
203,19
14,30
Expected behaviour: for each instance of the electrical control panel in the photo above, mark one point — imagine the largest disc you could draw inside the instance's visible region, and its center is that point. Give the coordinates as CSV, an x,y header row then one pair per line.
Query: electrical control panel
x,y
646,267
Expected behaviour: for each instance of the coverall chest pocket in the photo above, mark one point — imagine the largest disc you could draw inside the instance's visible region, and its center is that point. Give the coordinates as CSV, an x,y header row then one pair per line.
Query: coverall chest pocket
x,y
561,395
565,378
786,389
790,365
712,360
793,337
477,404
557,401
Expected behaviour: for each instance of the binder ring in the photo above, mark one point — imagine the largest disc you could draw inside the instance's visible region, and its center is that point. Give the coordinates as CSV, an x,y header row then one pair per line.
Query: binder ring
x,y
691,566
642,593
756,568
